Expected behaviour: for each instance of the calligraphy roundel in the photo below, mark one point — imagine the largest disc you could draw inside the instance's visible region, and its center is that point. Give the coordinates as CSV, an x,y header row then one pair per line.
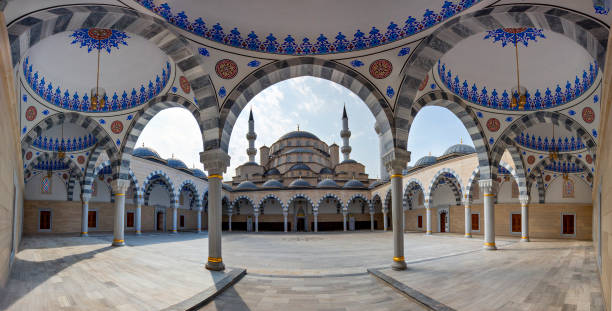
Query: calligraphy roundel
x,y
588,115
493,125
99,33
185,86
589,159
117,127
30,113
81,159
226,69
381,68
530,159
547,178
424,83
29,155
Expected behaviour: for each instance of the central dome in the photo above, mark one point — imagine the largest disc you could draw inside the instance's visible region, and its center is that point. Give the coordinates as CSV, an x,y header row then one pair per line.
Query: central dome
x,y
299,134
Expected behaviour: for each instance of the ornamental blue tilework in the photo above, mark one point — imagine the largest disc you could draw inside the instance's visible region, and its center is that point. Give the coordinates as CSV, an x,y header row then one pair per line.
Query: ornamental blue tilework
x,y
66,144
222,92
74,102
99,39
54,165
535,101
563,167
356,63
514,35
601,10
547,144
203,51
309,46
404,51
254,63
390,91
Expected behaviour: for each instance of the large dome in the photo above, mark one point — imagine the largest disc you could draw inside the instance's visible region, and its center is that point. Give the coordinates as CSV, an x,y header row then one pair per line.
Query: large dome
x,y
298,150
145,152
176,163
425,161
460,149
299,134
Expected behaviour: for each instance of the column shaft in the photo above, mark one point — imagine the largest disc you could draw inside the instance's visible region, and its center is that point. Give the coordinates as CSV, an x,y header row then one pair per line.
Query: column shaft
x,y
85,219
316,222
215,261
285,220
138,219
371,221
199,220
344,220
524,222
468,221
174,219
428,219
489,217
398,221
118,233
230,222
385,224
256,222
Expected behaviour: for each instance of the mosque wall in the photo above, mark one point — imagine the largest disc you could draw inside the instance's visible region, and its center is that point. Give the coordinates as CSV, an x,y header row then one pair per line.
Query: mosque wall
x,y
11,166
57,187
581,192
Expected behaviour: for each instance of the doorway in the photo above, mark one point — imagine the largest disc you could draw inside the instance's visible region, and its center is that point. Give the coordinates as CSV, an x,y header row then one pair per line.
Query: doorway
x,y
92,219
301,224
160,221
443,221
516,223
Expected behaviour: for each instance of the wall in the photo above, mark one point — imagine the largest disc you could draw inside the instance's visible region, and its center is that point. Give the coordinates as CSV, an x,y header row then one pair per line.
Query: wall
x,y
544,219
11,166
33,188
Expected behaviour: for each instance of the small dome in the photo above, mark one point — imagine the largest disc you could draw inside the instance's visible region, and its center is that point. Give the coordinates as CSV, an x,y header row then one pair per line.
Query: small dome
x,y
460,149
251,163
325,170
272,183
176,163
327,183
145,152
299,134
298,150
273,171
300,166
226,187
375,184
199,173
348,161
299,183
425,161
246,185
353,183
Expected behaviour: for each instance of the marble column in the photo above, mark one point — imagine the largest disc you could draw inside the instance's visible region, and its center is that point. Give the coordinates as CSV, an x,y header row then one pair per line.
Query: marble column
x,y
428,217
139,215
395,161
285,213
215,162
468,219
199,229
486,186
119,187
371,220
229,223
85,215
315,213
256,221
344,213
385,224
524,218
174,218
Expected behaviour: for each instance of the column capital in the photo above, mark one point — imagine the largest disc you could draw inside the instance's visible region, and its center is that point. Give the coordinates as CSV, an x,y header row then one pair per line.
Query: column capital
x,y
85,197
120,186
524,199
395,160
486,185
215,161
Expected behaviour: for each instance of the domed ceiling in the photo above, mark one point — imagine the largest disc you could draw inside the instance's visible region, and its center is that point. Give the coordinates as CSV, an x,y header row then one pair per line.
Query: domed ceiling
x,y
488,61
129,65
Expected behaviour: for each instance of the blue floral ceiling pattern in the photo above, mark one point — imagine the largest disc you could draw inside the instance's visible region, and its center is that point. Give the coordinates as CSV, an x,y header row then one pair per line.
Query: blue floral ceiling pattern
x,y
547,144
308,46
73,101
99,39
503,101
53,165
563,167
66,144
514,36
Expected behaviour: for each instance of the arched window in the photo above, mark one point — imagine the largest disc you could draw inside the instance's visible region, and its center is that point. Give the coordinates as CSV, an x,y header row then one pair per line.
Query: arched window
x,y
45,185
568,188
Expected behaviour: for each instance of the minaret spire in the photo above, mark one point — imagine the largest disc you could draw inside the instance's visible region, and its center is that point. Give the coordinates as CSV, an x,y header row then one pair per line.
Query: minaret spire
x,y
251,136
345,134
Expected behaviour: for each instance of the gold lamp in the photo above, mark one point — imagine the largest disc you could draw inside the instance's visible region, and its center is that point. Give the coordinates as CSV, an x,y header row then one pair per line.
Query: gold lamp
x,y
553,151
61,150
518,95
98,94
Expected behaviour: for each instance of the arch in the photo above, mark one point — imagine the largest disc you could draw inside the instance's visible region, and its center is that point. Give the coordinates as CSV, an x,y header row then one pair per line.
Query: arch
x,y
268,196
52,156
30,29
375,199
297,196
204,201
387,203
161,175
467,196
71,182
518,173
282,70
464,113
585,31
246,198
411,185
356,196
443,174
537,171
329,195
190,185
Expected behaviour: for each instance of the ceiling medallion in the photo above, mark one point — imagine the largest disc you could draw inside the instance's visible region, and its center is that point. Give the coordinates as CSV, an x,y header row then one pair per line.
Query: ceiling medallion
x,y
226,69
81,159
530,159
588,115
589,159
29,155
99,33
185,86
424,83
30,113
117,127
381,68
493,125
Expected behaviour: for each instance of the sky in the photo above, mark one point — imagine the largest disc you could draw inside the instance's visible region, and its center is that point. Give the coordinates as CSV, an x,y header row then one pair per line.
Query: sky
x,y
316,105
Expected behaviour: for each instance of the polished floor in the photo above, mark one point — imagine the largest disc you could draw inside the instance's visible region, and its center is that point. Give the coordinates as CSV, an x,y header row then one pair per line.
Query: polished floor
x,y
313,271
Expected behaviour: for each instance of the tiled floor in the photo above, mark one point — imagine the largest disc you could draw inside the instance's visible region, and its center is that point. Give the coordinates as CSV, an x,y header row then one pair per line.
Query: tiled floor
x,y
314,271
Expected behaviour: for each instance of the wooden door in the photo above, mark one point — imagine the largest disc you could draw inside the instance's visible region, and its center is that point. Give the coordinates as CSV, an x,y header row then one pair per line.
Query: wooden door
x,y
568,224
130,220
475,222
300,225
160,221
516,222
420,221
45,220
92,219
443,222
182,221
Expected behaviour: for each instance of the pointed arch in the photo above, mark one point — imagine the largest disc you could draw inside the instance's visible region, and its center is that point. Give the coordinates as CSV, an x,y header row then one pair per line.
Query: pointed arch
x,y
329,195
190,186
166,181
412,185
449,175
356,196
297,196
268,196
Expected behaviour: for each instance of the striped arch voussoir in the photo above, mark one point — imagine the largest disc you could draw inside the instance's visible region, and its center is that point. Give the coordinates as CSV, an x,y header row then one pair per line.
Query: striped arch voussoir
x,y
356,196
297,196
329,195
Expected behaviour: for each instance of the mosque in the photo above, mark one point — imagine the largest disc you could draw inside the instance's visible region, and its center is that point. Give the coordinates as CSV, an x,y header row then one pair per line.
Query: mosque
x,y
520,214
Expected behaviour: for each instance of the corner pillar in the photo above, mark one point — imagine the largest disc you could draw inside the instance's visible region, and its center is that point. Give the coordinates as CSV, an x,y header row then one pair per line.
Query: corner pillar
x,y
395,162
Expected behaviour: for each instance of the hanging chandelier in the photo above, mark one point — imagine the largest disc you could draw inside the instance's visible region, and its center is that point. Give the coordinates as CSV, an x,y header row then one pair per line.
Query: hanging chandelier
x,y
519,98
61,149
98,94
553,150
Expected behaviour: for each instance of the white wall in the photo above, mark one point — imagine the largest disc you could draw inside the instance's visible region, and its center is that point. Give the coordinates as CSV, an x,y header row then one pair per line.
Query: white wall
x,y
103,193
504,192
159,196
443,196
582,191
58,188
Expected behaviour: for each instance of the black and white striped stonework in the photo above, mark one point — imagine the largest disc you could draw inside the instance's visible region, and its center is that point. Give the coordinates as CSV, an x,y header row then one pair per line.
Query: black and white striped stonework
x,y
268,196
518,171
440,175
165,180
329,195
409,192
356,196
90,167
460,109
583,30
467,198
388,200
246,198
298,196
53,156
306,66
30,29
563,157
190,186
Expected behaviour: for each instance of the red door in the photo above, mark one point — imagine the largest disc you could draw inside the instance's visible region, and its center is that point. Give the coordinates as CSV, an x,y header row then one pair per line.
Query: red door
x,y
182,221
568,224
475,223
516,222
160,221
45,220
420,221
443,222
130,220
91,219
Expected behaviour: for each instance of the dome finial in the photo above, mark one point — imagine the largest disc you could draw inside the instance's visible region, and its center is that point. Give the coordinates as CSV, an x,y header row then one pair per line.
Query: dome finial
x,y
461,140
298,127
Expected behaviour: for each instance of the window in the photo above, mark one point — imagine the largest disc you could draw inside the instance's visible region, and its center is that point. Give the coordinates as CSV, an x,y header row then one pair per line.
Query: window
x,y
475,222
568,223
44,220
45,185
568,188
92,219
515,219
420,221
129,220
182,221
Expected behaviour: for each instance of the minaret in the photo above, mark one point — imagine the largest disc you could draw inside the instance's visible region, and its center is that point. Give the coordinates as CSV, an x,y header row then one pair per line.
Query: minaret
x,y
345,134
251,136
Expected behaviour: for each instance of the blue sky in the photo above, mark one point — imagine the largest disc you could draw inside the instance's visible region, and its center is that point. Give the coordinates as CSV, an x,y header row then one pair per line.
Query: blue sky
x,y
316,105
